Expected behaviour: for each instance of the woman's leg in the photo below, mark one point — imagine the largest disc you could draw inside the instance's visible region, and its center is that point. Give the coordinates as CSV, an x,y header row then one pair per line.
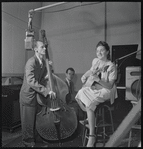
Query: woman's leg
x,y
91,121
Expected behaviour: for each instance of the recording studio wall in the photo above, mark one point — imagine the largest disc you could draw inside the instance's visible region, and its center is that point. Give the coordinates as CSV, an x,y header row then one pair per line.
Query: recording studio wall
x,y
72,33
14,24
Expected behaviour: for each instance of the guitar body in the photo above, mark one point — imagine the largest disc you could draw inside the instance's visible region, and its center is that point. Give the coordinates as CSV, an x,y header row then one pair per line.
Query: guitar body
x,y
90,81
92,84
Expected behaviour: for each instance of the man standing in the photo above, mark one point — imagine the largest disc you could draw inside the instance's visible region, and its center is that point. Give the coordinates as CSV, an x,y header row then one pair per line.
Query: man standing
x,y
33,84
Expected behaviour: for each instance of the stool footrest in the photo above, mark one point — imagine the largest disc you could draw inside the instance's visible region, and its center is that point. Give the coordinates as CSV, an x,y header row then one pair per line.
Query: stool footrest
x,y
136,127
104,125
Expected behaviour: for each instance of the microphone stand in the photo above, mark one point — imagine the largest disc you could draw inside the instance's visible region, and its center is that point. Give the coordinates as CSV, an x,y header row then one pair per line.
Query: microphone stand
x,y
127,55
44,7
116,63
29,41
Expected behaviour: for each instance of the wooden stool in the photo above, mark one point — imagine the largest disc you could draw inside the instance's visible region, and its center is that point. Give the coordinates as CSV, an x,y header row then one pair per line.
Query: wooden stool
x,y
101,124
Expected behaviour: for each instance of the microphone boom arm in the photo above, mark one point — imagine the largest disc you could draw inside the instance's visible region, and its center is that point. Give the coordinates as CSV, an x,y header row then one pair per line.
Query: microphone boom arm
x,y
29,41
128,55
44,7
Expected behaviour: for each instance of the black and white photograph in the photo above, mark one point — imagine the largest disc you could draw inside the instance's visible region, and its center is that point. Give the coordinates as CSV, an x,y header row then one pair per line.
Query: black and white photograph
x,y
71,74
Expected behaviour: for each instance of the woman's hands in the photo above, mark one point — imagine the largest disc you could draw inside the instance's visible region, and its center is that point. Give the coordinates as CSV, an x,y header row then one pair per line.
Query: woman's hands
x,y
91,78
87,82
95,77
83,79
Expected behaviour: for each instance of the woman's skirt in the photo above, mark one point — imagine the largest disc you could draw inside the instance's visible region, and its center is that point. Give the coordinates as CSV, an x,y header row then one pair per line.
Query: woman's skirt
x,y
88,98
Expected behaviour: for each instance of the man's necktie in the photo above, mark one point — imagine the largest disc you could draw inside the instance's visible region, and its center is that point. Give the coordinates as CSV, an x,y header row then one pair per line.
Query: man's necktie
x,y
70,87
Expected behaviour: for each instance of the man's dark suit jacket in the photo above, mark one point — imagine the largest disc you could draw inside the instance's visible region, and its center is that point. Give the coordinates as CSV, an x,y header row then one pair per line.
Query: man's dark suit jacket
x,y
69,95
70,98
34,82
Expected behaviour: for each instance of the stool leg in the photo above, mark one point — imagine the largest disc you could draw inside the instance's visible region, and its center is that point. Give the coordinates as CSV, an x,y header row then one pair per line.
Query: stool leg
x,y
83,133
84,130
130,137
103,126
84,138
112,121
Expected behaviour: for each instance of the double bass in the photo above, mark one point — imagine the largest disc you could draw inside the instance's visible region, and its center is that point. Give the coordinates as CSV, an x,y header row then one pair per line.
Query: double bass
x,y
56,120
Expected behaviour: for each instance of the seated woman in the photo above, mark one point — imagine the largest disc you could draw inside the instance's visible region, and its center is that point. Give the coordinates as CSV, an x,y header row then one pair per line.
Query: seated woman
x,y
98,86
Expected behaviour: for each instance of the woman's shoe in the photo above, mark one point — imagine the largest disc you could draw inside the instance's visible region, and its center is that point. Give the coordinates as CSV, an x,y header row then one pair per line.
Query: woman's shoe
x,y
91,143
84,122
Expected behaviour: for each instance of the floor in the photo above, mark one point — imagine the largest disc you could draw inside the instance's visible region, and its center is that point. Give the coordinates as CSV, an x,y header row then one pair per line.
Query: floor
x,y
14,139
8,136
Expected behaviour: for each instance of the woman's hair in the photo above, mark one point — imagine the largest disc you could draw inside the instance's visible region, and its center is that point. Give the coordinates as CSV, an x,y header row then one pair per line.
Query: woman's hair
x,y
104,44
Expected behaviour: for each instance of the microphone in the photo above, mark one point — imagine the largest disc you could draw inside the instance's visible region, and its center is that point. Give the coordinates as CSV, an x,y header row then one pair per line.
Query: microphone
x,y
29,40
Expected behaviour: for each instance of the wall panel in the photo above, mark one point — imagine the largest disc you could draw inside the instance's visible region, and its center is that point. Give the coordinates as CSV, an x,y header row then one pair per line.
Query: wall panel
x,y
14,25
